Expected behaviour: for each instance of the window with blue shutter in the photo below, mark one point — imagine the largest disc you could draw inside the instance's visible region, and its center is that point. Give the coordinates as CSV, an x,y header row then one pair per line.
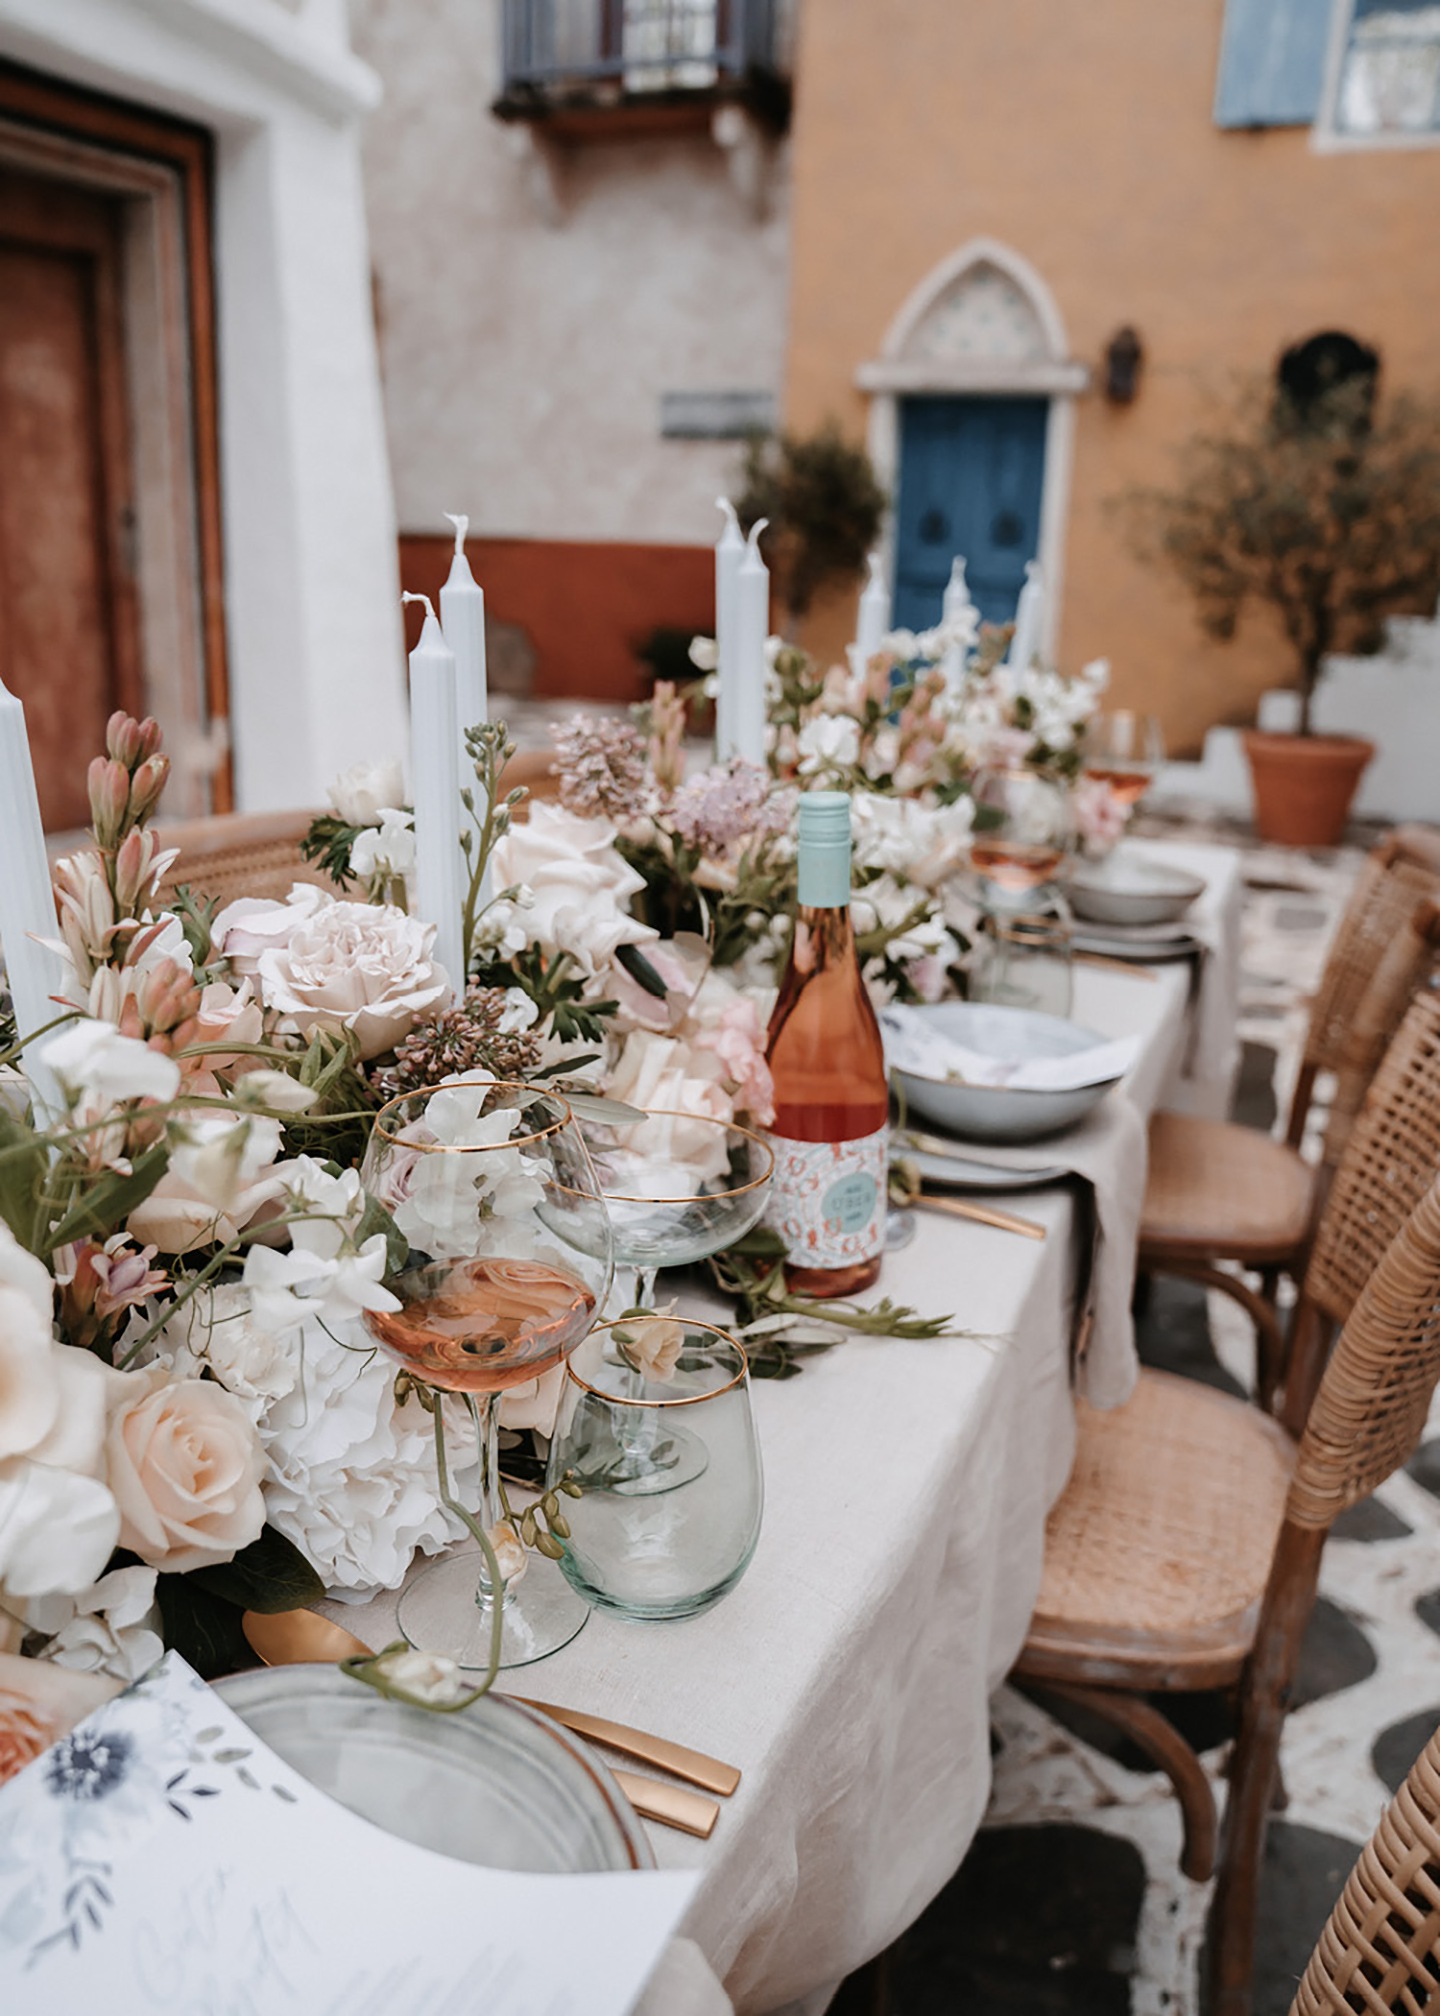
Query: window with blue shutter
x,y
1272,62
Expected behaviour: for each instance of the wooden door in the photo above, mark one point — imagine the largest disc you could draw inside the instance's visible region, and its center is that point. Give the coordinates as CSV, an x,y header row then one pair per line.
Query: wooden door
x,y
971,475
69,643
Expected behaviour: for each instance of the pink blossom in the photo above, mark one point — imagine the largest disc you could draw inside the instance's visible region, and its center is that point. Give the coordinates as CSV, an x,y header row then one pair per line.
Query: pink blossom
x,y
723,808
1100,817
738,1040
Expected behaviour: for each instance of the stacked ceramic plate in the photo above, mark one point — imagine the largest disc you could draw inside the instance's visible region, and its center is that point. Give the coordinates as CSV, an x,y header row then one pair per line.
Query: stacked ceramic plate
x,y
1002,1113
1132,907
496,1783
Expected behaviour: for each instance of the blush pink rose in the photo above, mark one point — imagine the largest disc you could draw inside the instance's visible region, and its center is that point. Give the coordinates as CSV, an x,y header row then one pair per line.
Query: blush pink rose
x,y
184,1464
738,1040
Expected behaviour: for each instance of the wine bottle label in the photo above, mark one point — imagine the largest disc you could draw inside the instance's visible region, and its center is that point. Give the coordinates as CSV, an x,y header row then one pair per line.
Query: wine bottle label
x,y
827,1199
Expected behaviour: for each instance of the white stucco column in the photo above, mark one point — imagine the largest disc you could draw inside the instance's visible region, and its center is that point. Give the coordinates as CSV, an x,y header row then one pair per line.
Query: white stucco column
x,y
316,656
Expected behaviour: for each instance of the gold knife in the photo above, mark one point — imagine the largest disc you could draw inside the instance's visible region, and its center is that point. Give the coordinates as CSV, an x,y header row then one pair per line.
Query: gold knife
x,y
671,1805
980,1214
706,1772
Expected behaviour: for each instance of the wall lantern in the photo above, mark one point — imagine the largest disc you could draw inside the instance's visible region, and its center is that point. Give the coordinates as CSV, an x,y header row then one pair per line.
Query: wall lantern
x,y
1123,357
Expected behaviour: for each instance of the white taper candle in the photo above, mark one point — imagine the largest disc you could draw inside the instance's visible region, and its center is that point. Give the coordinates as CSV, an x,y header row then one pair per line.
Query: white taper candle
x,y
874,618
729,556
439,897
462,618
27,900
752,623
954,609
1029,619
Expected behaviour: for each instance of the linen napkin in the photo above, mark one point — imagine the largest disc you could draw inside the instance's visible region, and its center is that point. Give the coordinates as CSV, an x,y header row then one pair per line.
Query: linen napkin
x,y
913,1043
1106,1154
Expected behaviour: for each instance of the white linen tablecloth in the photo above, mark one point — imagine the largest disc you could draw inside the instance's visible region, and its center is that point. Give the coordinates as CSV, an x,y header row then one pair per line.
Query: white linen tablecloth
x,y
849,1673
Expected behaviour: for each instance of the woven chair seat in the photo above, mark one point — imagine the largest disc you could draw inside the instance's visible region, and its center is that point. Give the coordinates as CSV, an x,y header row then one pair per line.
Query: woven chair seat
x,y
1158,1550
1217,1188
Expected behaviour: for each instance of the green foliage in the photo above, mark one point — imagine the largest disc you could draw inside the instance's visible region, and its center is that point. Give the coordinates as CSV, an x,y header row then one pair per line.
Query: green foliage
x,y
203,1628
336,1125
1330,515
328,845
557,989
270,1575
197,915
23,1168
109,1200
824,505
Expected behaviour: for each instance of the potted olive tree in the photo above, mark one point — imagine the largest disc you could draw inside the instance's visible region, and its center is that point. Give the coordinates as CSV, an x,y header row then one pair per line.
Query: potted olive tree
x,y
824,506
1327,508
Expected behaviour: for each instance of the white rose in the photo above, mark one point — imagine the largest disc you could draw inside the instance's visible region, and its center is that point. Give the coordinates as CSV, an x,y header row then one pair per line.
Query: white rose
x,y
365,967
29,1382
535,1404
361,794
57,1530
256,924
216,1329
185,1465
578,884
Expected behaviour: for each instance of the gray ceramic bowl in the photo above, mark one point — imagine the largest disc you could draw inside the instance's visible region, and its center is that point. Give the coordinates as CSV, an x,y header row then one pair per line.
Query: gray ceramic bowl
x,y
496,1783
1127,889
999,1112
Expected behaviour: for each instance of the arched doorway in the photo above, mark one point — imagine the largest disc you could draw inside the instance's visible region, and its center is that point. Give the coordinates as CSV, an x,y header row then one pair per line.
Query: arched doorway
x,y
971,429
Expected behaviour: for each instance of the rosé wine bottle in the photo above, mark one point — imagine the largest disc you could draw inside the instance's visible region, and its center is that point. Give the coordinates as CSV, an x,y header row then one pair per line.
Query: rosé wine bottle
x,y
828,1064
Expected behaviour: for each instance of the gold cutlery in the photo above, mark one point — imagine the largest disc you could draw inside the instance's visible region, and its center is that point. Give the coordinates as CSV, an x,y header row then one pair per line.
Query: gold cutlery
x,y
709,1773
979,1214
671,1805
300,1638
1115,965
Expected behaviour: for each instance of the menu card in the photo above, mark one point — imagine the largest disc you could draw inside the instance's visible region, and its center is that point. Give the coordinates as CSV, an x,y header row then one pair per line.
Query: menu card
x,y
160,1857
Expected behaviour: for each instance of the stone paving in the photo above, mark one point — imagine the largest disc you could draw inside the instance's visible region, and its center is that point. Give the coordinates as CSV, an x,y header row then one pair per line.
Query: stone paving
x,y
1071,1902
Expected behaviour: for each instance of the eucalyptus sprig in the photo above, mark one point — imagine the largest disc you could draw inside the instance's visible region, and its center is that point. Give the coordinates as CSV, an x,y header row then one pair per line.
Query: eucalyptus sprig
x,y
752,1273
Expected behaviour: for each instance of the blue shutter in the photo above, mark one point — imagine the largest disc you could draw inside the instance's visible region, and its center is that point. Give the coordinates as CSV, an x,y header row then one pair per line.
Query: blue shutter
x,y
1272,62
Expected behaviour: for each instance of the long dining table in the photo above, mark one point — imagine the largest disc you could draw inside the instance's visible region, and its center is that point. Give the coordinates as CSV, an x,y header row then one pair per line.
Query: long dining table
x,y
907,1486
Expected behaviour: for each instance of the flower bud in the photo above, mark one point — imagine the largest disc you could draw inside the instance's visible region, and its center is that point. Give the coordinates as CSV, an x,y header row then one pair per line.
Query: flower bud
x,y
122,738
109,783
132,871
146,786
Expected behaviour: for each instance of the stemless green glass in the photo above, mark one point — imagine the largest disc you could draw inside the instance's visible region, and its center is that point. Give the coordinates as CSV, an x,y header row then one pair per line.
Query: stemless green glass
x,y
630,1387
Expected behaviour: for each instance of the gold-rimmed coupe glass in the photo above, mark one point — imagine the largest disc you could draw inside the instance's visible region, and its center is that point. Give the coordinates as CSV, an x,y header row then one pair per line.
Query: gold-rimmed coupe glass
x,y
638,1383
508,1260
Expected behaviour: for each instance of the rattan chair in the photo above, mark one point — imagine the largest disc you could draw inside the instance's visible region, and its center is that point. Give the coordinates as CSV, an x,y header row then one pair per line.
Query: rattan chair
x,y
1184,1552
240,854
1380,1949
1221,1192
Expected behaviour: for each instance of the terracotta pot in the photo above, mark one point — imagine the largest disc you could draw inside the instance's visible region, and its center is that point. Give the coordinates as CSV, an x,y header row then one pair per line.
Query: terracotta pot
x,y
1304,785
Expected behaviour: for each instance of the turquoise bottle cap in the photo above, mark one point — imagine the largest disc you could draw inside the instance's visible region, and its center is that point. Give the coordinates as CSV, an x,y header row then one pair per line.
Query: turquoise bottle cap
x,y
823,867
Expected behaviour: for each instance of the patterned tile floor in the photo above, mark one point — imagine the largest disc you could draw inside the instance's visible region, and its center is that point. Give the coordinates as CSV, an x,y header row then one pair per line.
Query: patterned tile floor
x,y
1070,1902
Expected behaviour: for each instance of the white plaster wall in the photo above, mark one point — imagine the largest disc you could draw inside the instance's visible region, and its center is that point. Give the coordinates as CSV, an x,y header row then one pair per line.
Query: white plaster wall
x,y
316,651
523,359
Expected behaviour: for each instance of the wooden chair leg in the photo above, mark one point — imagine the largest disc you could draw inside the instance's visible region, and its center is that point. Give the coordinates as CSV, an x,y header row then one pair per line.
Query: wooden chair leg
x,y
1253,1765
1269,1337
1310,1336
1161,1741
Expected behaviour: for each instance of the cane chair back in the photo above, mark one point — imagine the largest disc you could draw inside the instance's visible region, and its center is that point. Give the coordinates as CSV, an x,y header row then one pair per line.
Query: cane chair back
x,y
1407,963
1369,1412
1391,1159
1416,843
251,854
1380,1950
1383,901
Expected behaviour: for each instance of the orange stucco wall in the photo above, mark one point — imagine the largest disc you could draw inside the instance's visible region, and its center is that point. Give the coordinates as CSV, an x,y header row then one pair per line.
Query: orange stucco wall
x,y
1082,136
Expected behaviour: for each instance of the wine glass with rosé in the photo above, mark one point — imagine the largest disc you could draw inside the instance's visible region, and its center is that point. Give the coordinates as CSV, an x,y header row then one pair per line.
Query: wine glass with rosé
x,y
1021,834
509,1257
1124,751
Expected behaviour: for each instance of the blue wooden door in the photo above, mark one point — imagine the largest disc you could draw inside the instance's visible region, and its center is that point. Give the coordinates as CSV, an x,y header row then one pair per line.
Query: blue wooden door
x,y
971,472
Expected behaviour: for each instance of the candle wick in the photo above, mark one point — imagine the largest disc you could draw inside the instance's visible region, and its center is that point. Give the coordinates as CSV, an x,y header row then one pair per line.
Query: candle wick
x,y
462,526
755,530
406,596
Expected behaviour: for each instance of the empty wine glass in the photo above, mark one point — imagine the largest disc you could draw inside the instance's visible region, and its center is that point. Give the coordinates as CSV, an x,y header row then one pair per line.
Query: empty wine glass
x,y
679,1187
1124,750
509,1258
1021,834
675,1552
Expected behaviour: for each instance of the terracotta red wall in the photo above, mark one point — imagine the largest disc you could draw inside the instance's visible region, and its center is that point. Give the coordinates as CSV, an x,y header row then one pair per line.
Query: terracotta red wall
x,y
585,606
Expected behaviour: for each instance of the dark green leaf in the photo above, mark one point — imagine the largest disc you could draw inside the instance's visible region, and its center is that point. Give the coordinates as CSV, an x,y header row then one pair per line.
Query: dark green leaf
x,y
271,1574
203,1629
375,1218
640,970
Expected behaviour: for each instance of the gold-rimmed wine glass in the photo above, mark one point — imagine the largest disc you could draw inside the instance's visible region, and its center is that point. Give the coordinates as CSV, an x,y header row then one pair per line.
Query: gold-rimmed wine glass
x,y
1022,832
508,1260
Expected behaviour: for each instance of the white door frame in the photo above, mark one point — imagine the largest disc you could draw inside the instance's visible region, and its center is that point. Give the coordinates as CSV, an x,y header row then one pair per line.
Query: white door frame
x,y
907,367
